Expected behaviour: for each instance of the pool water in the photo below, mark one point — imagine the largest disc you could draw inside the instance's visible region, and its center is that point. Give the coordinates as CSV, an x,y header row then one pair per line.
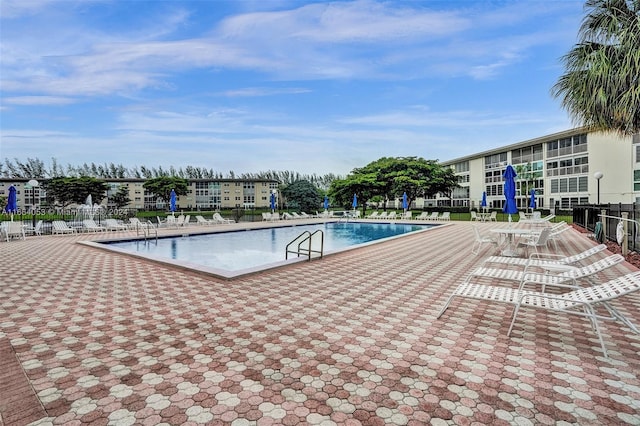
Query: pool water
x,y
240,250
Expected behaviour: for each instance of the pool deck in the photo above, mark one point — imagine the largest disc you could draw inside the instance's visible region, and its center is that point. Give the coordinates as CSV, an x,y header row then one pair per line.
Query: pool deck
x,y
92,337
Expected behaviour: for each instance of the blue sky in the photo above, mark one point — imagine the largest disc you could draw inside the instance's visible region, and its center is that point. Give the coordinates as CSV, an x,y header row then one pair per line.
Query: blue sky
x,y
248,86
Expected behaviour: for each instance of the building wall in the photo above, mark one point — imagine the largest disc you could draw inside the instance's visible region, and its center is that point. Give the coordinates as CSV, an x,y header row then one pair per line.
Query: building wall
x,y
566,163
201,194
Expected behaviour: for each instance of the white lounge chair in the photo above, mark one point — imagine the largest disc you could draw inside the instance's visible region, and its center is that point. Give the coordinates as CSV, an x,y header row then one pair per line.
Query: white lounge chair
x,y
480,240
391,215
372,215
218,218
445,216
13,230
200,220
556,275
407,215
135,223
61,227
545,259
422,216
581,301
90,225
114,225
434,216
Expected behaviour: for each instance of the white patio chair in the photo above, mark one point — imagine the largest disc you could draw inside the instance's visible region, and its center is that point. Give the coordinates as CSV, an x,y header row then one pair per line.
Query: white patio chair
x,y
90,225
480,240
114,225
218,218
535,241
474,216
13,230
545,259
37,230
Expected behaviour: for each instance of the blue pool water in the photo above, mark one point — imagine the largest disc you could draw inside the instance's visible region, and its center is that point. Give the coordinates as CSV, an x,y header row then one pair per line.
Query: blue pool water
x,y
240,250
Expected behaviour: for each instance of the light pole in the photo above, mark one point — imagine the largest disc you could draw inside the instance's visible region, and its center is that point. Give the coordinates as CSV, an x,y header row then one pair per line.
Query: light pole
x,y
33,184
598,176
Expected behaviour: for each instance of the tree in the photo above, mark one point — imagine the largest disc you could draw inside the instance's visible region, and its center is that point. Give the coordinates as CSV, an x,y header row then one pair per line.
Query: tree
x,y
120,198
302,195
601,85
162,186
69,190
390,177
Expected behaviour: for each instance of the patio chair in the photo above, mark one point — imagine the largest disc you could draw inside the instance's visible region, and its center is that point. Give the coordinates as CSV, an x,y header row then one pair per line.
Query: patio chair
x,y
545,259
474,216
434,216
480,240
391,216
372,215
554,236
580,301
422,216
135,223
407,215
383,215
37,230
535,241
445,216
61,227
493,216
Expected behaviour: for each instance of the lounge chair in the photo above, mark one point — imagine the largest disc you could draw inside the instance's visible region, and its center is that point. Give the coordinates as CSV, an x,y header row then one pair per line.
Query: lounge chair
x,y
200,220
372,215
434,216
554,236
186,221
296,215
90,225
545,259
445,216
480,240
580,301
564,276
13,230
219,219
382,215
135,223
114,225
422,216
407,215
61,227
391,216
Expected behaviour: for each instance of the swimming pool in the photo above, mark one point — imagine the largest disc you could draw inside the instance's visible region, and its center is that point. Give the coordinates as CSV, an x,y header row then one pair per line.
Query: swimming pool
x,y
234,253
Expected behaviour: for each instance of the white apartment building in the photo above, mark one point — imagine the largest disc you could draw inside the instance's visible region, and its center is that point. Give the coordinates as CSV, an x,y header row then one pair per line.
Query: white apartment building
x,y
562,167
203,194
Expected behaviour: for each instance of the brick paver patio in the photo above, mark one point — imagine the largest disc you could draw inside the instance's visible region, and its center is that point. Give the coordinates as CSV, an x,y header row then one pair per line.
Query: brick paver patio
x,y
91,337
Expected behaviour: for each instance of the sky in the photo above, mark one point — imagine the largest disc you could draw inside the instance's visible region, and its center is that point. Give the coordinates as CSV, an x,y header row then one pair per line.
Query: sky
x,y
255,85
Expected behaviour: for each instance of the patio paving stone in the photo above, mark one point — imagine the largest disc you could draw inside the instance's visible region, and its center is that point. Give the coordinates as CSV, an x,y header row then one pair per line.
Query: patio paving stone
x,y
92,337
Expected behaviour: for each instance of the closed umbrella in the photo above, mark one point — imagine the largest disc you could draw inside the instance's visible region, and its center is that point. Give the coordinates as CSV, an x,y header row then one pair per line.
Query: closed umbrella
x,y
326,202
405,204
532,199
510,191
273,202
172,201
354,204
483,204
12,202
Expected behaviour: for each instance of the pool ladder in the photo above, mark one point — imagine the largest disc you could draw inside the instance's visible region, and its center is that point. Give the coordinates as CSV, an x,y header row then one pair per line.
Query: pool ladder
x,y
146,230
307,244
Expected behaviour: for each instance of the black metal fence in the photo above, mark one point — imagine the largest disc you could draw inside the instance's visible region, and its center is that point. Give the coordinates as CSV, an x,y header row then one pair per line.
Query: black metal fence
x,y
588,215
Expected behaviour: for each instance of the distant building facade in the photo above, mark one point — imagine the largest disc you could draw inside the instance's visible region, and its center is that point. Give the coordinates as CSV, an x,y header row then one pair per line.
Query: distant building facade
x,y
202,194
561,167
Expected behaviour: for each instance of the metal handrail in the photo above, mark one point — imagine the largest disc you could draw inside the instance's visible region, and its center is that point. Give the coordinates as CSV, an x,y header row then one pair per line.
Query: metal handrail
x,y
306,238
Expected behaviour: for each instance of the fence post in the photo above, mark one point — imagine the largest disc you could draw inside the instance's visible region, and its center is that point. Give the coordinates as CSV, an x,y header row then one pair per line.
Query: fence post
x,y
603,219
586,219
625,226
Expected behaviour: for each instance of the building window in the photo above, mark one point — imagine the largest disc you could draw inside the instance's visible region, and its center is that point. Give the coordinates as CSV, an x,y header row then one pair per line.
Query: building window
x,y
636,180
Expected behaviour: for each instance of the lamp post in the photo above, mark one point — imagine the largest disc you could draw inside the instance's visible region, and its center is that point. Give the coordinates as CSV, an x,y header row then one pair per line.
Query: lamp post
x,y
33,184
598,176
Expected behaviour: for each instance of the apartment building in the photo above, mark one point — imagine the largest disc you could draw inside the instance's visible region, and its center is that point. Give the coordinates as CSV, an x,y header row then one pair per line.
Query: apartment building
x,y
565,169
202,194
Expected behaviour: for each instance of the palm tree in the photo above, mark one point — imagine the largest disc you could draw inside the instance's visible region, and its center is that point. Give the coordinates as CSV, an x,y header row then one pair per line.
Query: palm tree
x,y
601,85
